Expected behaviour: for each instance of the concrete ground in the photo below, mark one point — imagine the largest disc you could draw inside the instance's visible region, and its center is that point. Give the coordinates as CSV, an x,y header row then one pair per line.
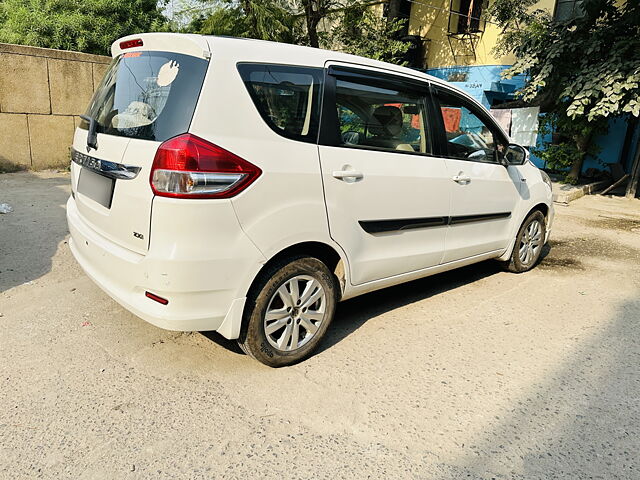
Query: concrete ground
x,y
475,373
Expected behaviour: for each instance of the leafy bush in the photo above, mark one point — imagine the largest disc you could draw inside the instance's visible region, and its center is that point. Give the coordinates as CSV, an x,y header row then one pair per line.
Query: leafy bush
x,y
88,26
581,70
572,140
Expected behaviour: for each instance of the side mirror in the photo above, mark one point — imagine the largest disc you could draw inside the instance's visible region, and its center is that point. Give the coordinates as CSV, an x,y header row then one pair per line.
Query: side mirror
x,y
351,138
516,155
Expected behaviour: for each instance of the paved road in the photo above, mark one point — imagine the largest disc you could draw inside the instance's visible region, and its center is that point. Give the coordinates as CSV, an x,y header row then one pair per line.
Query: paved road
x,y
476,373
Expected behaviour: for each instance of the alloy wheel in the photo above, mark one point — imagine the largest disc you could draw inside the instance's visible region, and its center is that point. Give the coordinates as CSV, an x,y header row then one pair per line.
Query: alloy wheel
x,y
530,243
295,313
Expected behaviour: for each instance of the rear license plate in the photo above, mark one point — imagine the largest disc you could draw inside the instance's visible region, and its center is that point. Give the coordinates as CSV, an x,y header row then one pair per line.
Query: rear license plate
x,y
95,186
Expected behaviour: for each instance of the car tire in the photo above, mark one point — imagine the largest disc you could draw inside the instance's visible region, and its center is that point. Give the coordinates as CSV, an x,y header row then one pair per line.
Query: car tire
x,y
288,311
529,242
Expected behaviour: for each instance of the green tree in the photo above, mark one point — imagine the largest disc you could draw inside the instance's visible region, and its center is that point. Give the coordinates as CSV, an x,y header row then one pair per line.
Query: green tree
x,y
269,20
362,31
358,29
572,139
582,70
262,19
314,12
83,25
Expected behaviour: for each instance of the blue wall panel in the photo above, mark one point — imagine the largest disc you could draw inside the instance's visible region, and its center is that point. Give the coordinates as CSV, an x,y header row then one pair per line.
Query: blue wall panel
x,y
611,145
483,82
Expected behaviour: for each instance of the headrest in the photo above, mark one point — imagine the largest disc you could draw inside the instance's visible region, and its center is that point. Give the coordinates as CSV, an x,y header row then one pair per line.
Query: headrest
x,y
386,121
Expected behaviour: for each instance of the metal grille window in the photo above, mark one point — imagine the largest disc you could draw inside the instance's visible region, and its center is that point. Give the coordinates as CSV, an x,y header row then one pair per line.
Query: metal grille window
x,y
465,16
568,10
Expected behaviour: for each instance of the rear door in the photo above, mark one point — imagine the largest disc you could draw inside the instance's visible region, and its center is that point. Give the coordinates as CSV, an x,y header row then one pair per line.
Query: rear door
x,y
145,98
387,197
485,193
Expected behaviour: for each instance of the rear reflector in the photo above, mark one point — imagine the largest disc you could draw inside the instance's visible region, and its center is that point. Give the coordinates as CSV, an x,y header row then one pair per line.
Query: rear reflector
x,y
155,297
131,43
190,167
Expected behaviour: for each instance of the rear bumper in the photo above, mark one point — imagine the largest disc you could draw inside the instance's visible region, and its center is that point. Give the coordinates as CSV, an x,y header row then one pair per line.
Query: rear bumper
x,y
205,285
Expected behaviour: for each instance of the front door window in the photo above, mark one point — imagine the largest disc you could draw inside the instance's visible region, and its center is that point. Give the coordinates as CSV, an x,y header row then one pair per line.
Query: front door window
x,y
469,135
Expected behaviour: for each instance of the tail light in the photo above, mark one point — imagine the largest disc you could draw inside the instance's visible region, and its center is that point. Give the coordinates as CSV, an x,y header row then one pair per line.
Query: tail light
x,y
131,43
190,167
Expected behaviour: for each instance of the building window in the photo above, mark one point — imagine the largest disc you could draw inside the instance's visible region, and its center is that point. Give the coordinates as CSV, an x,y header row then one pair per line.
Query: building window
x,y
465,16
568,10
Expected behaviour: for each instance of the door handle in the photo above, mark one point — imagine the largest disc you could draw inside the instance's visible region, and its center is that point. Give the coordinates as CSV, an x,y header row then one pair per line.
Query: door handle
x,y
461,178
347,174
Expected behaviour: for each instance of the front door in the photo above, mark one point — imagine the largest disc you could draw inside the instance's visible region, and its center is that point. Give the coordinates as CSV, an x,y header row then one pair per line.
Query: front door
x,y
387,197
485,193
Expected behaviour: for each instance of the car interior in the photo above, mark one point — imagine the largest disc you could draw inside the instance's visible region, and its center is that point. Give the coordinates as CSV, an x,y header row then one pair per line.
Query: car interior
x,y
369,119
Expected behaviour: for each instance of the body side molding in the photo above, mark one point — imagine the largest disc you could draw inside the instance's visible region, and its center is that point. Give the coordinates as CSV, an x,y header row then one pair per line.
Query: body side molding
x,y
394,225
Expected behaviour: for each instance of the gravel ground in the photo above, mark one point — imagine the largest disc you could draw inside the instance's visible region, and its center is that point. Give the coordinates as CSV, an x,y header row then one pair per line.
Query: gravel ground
x,y
475,373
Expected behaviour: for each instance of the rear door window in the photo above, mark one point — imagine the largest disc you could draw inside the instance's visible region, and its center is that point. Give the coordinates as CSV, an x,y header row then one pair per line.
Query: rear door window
x,y
148,95
287,97
382,117
373,110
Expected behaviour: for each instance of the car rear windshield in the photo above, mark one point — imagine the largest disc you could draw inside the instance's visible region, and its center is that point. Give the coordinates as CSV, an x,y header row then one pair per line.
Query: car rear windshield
x,y
148,95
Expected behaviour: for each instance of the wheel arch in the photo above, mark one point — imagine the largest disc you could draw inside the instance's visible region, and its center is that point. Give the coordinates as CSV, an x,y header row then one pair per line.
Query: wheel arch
x,y
542,208
324,252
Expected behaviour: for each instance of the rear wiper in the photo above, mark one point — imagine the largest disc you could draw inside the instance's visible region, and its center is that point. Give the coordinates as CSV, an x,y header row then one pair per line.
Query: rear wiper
x,y
92,136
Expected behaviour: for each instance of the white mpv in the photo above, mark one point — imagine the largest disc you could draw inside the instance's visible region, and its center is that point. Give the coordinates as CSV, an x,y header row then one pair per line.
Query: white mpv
x,y
246,187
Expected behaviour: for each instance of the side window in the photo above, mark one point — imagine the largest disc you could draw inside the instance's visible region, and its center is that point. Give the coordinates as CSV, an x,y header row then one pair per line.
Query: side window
x,y
383,116
287,97
468,135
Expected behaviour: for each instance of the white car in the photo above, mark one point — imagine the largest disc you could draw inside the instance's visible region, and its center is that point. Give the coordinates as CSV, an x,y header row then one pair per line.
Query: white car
x,y
246,187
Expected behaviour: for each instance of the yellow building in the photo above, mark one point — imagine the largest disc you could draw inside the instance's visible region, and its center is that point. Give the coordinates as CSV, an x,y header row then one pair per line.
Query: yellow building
x,y
457,43
456,32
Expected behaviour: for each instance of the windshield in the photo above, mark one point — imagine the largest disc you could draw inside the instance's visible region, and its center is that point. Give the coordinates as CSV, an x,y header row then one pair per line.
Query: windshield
x,y
148,95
